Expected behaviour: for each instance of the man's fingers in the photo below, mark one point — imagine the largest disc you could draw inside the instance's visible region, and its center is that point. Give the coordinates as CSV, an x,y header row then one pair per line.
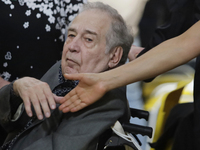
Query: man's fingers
x,y
37,93
50,99
57,99
42,104
45,106
27,105
46,99
37,107
66,98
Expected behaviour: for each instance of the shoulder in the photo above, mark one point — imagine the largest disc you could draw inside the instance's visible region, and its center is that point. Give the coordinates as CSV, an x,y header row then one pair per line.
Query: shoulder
x,y
51,76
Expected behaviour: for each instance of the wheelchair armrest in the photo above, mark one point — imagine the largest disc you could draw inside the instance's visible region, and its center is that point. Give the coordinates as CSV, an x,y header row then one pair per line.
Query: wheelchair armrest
x,y
137,129
139,113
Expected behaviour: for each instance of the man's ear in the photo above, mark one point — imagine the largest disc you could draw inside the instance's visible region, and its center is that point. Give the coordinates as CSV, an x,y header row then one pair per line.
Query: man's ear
x,y
115,56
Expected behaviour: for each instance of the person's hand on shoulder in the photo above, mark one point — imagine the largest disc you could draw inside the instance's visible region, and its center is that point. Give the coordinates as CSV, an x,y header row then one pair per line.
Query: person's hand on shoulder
x,y
89,90
134,51
37,93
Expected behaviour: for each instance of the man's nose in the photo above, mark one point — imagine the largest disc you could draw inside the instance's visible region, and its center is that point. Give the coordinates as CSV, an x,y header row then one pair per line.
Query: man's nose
x,y
74,45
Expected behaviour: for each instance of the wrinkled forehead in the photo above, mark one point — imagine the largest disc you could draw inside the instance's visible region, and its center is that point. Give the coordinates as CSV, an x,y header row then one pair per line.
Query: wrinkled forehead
x,y
94,20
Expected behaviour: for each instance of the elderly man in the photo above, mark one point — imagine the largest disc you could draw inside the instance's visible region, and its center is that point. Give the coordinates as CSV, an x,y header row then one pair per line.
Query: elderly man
x,y
98,40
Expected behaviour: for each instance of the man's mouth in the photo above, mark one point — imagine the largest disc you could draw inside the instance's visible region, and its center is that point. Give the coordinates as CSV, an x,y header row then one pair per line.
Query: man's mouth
x,y
72,61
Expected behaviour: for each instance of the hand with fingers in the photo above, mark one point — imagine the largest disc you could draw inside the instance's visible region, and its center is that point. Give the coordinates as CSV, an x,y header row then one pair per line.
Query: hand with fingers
x,y
88,91
37,93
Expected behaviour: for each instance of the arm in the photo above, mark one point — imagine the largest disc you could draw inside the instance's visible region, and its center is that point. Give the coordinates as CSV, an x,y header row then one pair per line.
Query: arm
x,y
27,91
166,56
180,18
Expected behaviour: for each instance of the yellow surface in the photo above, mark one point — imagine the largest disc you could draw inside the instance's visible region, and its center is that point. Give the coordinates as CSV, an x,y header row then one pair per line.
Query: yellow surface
x,y
161,95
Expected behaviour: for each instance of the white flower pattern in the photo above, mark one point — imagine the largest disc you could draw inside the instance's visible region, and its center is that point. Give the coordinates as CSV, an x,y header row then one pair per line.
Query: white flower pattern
x,y
26,25
46,7
12,6
48,28
8,56
59,14
5,64
7,1
28,12
6,75
38,15
51,19
21,2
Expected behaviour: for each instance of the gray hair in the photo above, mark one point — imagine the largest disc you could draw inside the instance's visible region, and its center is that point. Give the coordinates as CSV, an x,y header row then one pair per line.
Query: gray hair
x,y
119,33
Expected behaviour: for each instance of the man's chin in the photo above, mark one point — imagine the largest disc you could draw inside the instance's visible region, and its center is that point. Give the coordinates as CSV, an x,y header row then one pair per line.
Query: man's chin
x,y
69,70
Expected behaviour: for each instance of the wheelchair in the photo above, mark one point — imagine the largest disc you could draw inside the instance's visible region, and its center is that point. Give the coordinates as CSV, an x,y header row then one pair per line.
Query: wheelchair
x,y
123,135
161,96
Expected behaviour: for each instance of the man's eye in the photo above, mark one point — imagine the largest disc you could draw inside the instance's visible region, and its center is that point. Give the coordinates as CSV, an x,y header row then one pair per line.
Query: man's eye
x,y
71,35
89,40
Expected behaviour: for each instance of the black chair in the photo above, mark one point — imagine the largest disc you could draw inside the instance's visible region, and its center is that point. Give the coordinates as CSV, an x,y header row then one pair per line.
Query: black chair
x,y
111,141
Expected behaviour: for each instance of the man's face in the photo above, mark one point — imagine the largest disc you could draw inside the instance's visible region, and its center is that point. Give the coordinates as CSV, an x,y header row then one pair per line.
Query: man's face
x,y
84,49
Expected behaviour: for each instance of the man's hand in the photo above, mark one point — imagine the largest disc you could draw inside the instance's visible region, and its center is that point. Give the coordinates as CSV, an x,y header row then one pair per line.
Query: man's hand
x,y
89,90
37,93
134,51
